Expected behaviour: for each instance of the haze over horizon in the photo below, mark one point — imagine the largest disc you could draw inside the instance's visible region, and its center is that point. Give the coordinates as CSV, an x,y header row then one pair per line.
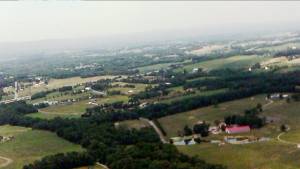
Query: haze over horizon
x,y
36,21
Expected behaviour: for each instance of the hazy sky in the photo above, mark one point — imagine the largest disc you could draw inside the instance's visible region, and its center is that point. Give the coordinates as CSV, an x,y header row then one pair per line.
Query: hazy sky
x,y
27,21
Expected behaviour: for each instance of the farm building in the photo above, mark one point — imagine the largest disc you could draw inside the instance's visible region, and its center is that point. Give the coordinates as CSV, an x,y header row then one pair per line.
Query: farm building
x,y
195,70
237,129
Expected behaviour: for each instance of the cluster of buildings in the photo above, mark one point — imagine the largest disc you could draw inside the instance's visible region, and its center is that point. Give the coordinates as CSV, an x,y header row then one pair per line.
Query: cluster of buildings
x,y
4,139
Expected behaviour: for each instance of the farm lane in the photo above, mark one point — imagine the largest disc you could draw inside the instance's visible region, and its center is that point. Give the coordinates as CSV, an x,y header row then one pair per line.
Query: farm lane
x,y
6,163
157,130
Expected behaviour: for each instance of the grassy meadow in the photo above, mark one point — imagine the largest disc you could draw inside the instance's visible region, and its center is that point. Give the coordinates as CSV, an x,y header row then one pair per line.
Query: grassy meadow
x,y
236,62
57,83
30,145
74,110
198,93
133,124
273,154
173,123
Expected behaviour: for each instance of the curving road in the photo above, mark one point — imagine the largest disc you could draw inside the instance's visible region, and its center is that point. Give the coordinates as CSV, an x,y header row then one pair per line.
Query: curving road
x,y
6,163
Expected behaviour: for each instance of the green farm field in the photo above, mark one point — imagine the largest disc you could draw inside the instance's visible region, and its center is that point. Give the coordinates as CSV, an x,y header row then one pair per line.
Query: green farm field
x,y
133,124
154,67
74,110
274,154
280,47
172,124
159,66
139,87
231,62
198,93
29,145
263,155
57,83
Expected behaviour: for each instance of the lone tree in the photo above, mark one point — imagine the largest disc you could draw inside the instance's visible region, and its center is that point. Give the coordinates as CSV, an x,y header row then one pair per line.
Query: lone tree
x,y
187,131
288,100
201,129
259,107
283,128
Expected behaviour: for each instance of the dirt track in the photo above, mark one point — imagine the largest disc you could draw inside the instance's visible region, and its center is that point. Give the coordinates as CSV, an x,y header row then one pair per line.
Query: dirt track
x,y
6,163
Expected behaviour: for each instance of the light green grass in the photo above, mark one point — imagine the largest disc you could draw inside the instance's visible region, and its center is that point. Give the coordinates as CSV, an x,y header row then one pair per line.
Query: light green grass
x,y
264,155
112,99
154,67
57,96
280,47
57,83
76,109
30,145
234,62
139,87
133,124
198,93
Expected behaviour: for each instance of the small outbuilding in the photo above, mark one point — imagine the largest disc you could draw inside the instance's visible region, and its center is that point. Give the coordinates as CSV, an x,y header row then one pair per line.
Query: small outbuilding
x,y
237,129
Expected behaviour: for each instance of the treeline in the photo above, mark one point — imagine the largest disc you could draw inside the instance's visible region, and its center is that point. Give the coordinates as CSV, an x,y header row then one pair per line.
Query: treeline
x,y
17,108
156,156
102,84
151,92
65,88
45,93
250,118
41,94
62,161
245,86
288,52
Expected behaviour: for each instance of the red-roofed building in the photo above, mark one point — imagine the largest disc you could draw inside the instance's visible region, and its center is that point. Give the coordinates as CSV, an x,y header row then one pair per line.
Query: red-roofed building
x,y
237,129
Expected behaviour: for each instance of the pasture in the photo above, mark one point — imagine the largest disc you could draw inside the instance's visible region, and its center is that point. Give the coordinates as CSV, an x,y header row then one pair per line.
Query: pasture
x,y
235,62
207,49
138,87
273,154
263,155
198,93
75,109
133,124
280,47
57,83
29,145
154,67
173,123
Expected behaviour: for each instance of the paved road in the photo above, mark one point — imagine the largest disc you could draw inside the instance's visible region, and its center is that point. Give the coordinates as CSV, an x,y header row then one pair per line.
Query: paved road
x,y
6,163
157,130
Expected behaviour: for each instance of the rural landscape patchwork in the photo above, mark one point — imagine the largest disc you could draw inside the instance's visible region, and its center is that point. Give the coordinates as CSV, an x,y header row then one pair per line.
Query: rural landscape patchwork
x,y
219,102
